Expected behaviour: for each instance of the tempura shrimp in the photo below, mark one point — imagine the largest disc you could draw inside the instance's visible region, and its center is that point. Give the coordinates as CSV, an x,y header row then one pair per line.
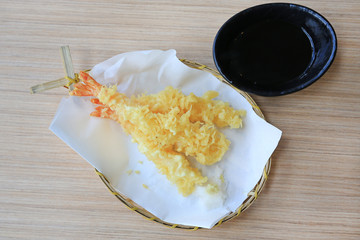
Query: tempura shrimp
x,y
166,132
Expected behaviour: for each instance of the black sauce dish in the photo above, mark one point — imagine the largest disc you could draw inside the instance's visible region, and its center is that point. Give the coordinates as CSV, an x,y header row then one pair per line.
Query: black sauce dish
x,y
274,49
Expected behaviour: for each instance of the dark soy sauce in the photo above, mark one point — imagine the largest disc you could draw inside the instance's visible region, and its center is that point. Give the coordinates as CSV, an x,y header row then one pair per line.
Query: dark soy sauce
x,y
269,53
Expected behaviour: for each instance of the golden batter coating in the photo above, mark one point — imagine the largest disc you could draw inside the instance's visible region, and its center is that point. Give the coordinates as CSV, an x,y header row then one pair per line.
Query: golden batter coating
x,y
168,126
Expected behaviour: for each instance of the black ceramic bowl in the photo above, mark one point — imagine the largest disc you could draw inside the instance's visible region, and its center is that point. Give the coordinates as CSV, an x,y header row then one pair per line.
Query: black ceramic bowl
x,y
274,49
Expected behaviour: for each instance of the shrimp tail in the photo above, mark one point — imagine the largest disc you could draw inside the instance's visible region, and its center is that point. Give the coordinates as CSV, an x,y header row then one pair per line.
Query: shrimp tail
x,y
87,87
96,101
104,112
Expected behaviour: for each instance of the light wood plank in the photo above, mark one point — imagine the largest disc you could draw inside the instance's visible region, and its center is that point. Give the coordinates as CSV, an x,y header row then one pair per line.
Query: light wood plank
x,y
49,192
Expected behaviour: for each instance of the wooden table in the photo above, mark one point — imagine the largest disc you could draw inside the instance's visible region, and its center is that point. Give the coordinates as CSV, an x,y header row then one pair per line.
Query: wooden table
x,y
50,192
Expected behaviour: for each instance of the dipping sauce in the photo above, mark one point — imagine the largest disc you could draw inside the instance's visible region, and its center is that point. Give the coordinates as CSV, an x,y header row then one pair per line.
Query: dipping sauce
x,y
271,52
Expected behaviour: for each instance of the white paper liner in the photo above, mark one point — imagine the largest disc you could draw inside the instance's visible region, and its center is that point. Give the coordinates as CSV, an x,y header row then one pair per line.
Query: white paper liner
x,y
103,143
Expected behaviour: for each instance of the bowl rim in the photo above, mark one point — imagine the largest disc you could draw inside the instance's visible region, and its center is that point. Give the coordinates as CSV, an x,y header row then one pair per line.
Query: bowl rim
x,y
302,84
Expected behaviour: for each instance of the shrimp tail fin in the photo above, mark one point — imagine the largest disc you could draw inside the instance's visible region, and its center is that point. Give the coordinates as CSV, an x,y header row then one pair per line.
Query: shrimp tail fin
x,y
104,112
87,87
96,101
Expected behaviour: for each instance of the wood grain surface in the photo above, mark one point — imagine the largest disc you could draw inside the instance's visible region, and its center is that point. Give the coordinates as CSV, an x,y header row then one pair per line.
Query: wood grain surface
x,y
47,191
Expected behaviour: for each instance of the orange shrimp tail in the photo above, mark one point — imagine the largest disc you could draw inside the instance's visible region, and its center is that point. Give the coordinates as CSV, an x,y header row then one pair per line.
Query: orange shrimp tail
x,y
88,86
104,112
96,101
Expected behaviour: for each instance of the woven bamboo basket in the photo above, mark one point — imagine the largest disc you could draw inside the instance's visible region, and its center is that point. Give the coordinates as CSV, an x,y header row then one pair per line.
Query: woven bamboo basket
x,y
252,195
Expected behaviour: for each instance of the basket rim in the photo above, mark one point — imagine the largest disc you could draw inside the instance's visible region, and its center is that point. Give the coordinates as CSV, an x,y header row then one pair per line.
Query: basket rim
x,y
252,195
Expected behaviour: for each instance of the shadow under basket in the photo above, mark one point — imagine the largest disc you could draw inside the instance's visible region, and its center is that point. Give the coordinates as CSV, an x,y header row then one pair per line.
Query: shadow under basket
x,y
252,195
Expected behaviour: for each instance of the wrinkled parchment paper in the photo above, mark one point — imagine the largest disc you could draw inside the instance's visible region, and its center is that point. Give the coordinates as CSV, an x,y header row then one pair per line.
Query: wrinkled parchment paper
x,y
103,143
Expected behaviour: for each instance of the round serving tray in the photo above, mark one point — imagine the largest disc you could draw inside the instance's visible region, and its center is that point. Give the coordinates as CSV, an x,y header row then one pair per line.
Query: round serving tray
x,y
252,195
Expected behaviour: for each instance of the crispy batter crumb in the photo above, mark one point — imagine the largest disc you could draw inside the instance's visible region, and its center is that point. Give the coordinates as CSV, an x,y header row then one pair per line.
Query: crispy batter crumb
x,y
212,188
222,178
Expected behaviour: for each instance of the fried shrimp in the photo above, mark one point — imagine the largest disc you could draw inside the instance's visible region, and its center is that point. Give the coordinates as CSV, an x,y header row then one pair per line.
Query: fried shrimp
x,y
168,126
